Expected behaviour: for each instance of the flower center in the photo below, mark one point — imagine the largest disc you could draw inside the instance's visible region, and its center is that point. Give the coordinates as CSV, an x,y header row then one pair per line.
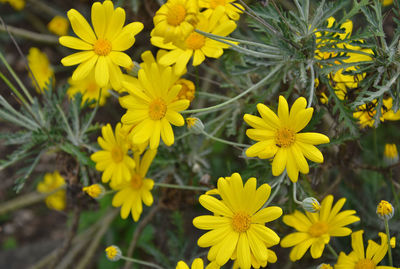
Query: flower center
x,y
215,3
136,181
317,229
102,47
157,109
195,41
176,15
187,90
117,155
285,137
241,222
92,87
365,264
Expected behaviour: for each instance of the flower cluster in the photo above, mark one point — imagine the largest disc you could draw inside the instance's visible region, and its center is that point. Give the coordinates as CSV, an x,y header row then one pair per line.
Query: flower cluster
x,y
52,184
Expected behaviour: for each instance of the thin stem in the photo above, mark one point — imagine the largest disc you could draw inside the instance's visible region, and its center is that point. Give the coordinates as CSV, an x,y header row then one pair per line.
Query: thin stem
x,y
12,87
396,198
225,141
69,130
181,187
332,250
312,89
49,39
279,183
149,264
388,242
295,194
252,88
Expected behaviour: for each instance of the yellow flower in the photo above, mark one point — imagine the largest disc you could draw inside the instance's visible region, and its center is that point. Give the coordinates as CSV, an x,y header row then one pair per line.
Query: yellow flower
x,y
89,89
315,229
113,160
229,9
342,82
238,225
58,25
385,210
131,194
95,191
152,105
279,138
50,183
366,113
16,4
187,91
196,45
390,155
361,259
324,266
41,69
113,253
175,19
102,48
387,2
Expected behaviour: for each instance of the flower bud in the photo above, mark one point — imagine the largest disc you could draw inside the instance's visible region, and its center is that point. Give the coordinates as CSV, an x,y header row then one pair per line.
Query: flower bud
x,y
195,125
390,155
311,205
324,266
95,191
385,210
113,253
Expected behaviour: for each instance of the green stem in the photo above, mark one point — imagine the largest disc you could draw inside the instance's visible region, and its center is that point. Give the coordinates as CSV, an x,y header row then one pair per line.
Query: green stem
x,y
225,141
149,264
252,88
181,187
12,87
295,194
279,183
312,89
332,251
396,198
50,39
388,242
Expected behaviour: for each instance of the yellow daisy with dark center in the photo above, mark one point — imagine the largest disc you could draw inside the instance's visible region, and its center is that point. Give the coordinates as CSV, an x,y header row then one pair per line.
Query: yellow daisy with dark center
x,y
361,259
279,138
101,48
237,228
315,229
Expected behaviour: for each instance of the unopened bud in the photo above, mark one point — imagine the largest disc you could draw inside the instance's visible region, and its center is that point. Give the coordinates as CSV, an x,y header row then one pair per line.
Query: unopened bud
x,y
95,191
311,205
385,210
113,253
195,125
390,155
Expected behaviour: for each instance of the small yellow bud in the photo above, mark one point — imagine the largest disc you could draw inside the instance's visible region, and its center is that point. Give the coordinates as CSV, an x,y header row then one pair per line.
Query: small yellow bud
x,y
95,191
393,242
311,204
324,266
58,25
187,91
385,210
195,125
113,253
390,155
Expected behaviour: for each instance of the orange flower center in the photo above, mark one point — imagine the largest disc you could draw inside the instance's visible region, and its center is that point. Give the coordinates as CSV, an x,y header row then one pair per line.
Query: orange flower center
x,y
365,264
157,109
215,3
285,137
117,155
176,15
317,229
241,222
195,41
102,47
136,181
92,87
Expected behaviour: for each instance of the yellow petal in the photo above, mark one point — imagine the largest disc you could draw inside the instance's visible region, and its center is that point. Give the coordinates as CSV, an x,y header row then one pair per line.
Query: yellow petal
x,y
312,138
98,19
75,43
101,72
120,58
81,27
267,214
279,162
269,116
77,58
84,69
167,133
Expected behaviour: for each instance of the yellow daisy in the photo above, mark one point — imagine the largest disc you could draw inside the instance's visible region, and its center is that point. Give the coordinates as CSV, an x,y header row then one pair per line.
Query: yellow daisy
x,y
113,160
152,105
279,138
41,69
196,264
50,183
102,48
237,227
315,229
131,194
230,10
196,45
387,2
341,82
89,90
366,113
359,258
175,19
58,25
